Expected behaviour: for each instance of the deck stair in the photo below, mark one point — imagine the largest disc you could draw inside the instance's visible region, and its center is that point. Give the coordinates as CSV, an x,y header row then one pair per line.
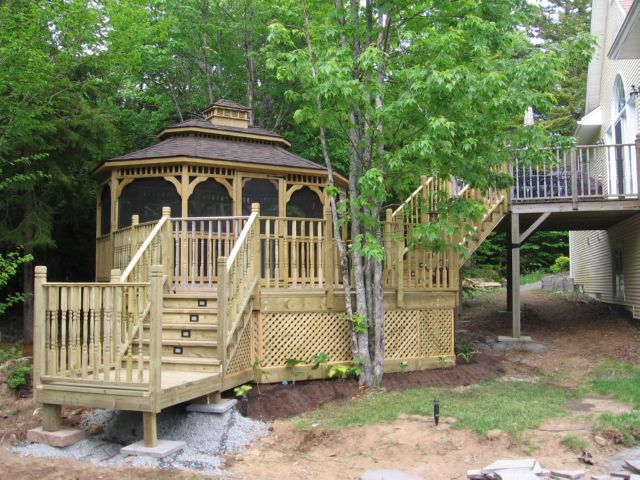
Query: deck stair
x,y
189,332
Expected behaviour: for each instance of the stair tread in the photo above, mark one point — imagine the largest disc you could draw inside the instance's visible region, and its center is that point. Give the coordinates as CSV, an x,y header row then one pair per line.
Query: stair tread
x,y
190,326
184,342
197,310
193,294
179,359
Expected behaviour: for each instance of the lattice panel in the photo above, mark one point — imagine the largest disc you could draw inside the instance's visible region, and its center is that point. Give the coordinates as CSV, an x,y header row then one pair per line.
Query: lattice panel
x,y
242,358
301,335
436,332
401,333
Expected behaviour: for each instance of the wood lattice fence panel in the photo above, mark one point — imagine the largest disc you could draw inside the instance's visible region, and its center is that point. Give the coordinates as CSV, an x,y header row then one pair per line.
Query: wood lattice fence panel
x,y
243,356
301,335
401,333
436,332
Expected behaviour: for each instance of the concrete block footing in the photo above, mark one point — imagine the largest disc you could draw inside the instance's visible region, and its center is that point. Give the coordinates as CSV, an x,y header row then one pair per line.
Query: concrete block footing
x,y
59,438
161,450
222,406
522,339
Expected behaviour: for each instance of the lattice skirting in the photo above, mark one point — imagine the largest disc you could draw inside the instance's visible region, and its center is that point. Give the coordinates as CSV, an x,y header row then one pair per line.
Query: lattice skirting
x,y
409,334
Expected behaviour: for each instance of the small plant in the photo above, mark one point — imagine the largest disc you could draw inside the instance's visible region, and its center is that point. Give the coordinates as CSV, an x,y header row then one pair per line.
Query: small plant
x,y
444,361
561,264
320,361
241,392
465,350
574,443
356,367
338,371
403,365
259,372
15,367
359,324
292,364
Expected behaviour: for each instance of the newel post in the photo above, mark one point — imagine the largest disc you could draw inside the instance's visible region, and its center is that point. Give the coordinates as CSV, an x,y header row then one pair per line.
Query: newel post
x,y
166,247
256,251
399,259
329,260
223,306
133,238
155,337
39,328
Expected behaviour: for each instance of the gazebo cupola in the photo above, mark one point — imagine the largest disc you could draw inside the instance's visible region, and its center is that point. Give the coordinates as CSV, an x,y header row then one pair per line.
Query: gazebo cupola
x,y
228,113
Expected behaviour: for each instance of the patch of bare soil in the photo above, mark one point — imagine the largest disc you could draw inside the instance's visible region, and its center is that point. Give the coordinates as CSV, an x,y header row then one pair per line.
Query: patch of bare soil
x,y
281,401
576,337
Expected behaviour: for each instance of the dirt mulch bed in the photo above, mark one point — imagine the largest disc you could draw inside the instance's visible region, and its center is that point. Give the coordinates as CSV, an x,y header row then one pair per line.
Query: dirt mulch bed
x,y
282,401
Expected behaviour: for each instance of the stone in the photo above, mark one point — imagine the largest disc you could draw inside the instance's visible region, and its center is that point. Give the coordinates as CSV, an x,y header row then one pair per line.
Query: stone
x,y
624,475
222,406
521,339
516,474
506,464
495,434
475,475
600,477
388,475
161,450
60,438
600,440
632,466
571,474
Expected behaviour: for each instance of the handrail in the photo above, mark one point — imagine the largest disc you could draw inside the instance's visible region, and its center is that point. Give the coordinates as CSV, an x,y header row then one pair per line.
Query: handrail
x,y
145,245
241,239
238,279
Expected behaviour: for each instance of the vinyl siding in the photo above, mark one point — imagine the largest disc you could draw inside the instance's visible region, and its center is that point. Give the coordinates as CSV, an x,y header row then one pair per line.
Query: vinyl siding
x,y
591,251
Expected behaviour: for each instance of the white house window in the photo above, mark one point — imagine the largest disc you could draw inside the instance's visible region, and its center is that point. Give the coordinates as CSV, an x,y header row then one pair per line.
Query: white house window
x,y
621,133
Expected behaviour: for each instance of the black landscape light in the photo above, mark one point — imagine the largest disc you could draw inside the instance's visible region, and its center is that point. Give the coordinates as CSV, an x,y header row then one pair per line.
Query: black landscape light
x,y
634,91
436,411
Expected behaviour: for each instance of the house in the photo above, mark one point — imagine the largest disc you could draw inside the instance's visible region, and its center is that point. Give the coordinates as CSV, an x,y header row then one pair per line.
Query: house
x,y
216,264
605,263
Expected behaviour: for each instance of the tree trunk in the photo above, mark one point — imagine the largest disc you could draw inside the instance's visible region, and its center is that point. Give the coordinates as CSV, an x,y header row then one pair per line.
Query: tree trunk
x,y
248,50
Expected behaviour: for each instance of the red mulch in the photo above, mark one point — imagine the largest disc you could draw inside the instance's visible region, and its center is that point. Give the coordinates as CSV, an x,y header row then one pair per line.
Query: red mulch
x,y
282,401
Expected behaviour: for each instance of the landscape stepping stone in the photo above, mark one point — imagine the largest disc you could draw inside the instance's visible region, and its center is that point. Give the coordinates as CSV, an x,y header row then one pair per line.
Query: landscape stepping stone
x,y
388,475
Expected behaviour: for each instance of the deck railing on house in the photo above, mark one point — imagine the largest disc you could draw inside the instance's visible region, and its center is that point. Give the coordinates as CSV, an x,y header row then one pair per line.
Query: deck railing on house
x,y
581,173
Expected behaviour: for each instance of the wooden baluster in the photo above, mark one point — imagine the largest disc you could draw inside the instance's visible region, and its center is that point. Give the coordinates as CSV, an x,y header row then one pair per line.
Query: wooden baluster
x,y
140,307
277,252
293,252
209,253
108,312
40,350
52,322
74,308
320,253
116,343
267,252
93,334
64,305
86,293
176,259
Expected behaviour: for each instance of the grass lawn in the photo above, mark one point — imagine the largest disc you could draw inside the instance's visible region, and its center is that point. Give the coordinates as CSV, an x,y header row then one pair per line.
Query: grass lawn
x,y
495,404
509,406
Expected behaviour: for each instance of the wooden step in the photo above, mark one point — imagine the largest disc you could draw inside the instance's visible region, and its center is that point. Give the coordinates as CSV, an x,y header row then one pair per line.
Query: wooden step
x,y
189,316
184,342
188,364
196,331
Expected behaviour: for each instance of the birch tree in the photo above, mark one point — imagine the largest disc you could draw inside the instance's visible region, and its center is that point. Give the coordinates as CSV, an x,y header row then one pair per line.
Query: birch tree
x,y
408,89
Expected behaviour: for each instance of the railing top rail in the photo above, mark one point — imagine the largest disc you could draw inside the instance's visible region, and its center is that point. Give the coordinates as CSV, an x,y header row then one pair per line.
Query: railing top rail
x,y
306,219
574,147
241,239
415,192
241,217
95,284
147,242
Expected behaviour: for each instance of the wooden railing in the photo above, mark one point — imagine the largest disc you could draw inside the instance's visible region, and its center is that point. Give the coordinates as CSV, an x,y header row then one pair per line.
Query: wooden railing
x,y
88,335
238,280
104,257
199,243
156,248
293,251
584,172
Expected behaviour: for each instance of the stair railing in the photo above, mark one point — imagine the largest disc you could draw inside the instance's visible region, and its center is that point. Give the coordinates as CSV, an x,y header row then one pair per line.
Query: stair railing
x,y
238,280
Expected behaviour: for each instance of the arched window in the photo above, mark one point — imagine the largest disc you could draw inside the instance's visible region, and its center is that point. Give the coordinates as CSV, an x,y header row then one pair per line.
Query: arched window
x,y
304,203
262,191
105,210
618,97
210,199
622,164
146,197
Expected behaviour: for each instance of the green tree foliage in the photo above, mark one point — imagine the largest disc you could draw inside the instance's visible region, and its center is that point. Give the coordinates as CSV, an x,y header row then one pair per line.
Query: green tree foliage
x,y
425,87
559,22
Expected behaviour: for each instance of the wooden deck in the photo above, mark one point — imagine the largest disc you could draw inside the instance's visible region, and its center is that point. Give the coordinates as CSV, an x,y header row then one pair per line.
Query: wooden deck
x,y
176,387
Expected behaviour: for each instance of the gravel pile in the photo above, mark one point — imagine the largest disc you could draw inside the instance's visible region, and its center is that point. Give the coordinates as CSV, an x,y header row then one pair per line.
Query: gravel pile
x,y
207,437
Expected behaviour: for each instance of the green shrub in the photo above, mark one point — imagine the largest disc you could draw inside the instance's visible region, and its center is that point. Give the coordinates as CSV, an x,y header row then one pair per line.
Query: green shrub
x,y
18,375
561,264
